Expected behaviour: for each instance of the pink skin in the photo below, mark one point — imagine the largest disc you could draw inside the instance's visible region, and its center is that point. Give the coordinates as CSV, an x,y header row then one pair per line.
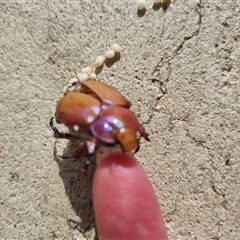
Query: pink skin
x,y
125,203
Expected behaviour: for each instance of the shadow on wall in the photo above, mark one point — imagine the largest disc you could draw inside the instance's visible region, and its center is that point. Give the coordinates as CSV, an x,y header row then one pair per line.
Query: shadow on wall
x,y
164,4
78,187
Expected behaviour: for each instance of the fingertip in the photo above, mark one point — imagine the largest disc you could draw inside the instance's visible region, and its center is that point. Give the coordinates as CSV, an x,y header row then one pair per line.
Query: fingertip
x,y
125,203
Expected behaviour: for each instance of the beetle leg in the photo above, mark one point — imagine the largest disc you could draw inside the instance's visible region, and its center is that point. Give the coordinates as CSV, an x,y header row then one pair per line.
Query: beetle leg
x,y
137,149
143,133
89,161
57,134
66,156
65,135
91,148
55,130
80,149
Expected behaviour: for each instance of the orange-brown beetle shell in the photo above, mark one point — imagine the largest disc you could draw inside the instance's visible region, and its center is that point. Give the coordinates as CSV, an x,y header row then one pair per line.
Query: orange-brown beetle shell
x,y
105,93
77,109
127,117
128,139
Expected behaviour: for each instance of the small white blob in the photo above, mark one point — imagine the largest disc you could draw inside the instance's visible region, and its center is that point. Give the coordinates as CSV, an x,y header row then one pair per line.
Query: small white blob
x,y
76,128
90,147
116,48
109,53
74,221
92,75
87,70
65,89
99,61
82,77
90,119
73,80
158,107
141,4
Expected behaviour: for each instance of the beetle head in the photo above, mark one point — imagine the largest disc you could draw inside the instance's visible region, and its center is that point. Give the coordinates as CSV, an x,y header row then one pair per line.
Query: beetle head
x,y
128,139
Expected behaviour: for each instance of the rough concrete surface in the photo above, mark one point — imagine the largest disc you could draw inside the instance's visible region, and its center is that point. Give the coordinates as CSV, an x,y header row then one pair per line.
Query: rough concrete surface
x,y
179,67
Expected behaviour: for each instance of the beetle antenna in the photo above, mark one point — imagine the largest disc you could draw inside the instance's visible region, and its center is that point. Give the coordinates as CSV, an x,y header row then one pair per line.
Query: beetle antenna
x,y
55,130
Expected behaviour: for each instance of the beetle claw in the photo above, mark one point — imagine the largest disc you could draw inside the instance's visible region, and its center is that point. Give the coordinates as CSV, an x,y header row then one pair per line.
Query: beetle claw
x,y
137,149
148,139
55,130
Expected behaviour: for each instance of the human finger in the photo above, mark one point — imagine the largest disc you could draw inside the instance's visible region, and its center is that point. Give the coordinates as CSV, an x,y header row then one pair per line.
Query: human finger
x,y
125,204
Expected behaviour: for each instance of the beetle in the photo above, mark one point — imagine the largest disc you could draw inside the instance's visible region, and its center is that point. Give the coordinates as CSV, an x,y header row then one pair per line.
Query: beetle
x,y
101,91
99,114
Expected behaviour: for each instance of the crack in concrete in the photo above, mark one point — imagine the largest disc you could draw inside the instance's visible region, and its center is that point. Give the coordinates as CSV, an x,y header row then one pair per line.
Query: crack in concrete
x,y
219,224
215,190
195,33
212,184
203,144
167,62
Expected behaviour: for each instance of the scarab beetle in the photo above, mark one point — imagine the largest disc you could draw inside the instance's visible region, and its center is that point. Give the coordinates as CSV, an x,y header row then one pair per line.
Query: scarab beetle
x,y
99,114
